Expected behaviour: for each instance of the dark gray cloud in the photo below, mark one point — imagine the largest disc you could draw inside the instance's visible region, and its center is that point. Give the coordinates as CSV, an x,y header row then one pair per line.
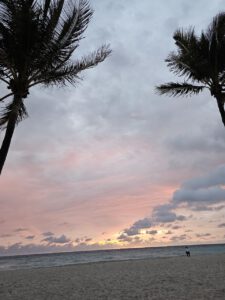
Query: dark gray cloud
x,y
214,178
152,232
202,193
202,235
20,229
132,231
169,232
178,238
137,226
176,227
57,240
209,195
125,238
88,240
197,194
30,237
164,214
48,233
19,248
202,208
131,240
5,235
143,223
194,143
83,239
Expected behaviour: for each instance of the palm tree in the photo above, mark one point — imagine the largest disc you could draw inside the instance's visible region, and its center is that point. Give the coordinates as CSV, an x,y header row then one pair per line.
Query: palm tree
x,y
200,60
37,40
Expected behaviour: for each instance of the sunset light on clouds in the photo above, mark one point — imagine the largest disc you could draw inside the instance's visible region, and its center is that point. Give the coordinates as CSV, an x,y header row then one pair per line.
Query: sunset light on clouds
x,y
111,164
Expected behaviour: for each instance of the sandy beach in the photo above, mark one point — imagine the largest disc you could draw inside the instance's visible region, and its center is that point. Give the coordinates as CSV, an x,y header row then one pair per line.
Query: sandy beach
x,y
196,278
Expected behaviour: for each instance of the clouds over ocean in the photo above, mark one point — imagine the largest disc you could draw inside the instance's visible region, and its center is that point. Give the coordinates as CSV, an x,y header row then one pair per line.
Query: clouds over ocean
x,y
112,156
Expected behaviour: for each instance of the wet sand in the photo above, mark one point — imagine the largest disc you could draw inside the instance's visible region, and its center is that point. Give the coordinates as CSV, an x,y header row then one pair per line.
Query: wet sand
x,y
194,278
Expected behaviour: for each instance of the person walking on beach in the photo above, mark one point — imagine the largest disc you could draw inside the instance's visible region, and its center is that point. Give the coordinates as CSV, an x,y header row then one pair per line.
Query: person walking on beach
x,y
188,253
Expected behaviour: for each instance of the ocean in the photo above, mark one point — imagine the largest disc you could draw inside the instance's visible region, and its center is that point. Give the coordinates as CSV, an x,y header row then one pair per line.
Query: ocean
x,y
82,257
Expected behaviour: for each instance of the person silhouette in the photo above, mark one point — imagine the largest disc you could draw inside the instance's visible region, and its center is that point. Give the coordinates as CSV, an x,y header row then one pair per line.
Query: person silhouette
x,y
187,250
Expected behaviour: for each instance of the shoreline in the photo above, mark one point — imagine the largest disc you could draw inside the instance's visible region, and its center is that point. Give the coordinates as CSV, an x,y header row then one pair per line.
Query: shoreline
x,y
199,277
113,249
113,261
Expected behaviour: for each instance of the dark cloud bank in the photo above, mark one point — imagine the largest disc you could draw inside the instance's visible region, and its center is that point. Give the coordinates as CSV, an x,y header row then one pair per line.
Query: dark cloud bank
x,y
205,193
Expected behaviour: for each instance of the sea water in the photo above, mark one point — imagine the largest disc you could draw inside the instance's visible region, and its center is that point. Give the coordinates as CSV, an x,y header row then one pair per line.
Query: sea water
x,y
71,258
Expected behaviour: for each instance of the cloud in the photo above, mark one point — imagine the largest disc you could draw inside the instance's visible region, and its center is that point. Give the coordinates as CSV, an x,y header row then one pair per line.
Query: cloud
x,y
169,232
132,231
152,232
177,238
20,229
88,240
176,227
164,214
199,207
83,239
30,237
48,233
210,195
130,240
19,248
124,238
143,223
200,235
137,226
221,225
57,240
199,194
5,235
202,193
214,178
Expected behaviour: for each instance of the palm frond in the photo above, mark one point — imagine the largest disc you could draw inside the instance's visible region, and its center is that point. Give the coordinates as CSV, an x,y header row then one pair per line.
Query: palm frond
x,y
179,89
217,27
185,39
68,73
12,108
6,96
191,58
63,32
40,37
93,59
216,37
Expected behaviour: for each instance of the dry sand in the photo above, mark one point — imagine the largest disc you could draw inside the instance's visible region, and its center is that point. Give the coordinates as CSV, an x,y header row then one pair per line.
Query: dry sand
x,y
194,278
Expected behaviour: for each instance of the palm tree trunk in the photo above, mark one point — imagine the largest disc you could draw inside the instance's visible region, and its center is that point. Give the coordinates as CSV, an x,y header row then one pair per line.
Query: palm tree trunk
x,y
220,104
9,132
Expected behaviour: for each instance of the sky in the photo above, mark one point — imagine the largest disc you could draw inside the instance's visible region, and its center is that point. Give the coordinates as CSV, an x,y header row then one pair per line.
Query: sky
x,y
109,163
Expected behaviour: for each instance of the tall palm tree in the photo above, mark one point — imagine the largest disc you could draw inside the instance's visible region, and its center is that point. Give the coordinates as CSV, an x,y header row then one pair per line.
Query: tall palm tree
x,y
200,60
37,40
